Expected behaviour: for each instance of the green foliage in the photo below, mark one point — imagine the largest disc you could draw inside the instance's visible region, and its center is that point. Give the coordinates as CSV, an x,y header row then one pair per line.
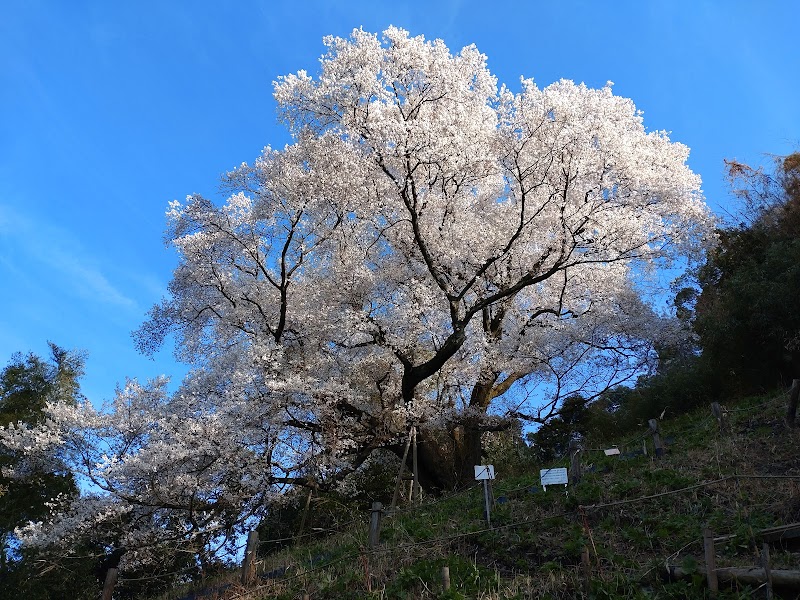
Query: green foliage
x,y
551,440
30,579
508,450
537,539
745,315
27,384
741,305
468,578
329,510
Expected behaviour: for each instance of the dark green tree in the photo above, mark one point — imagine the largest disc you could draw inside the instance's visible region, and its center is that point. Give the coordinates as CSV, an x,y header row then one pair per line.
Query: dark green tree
x,y
746,315
742,303
551,440
27,384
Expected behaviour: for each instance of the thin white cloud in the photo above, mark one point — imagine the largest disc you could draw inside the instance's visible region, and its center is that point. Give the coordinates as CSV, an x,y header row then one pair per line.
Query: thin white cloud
x,y
53,253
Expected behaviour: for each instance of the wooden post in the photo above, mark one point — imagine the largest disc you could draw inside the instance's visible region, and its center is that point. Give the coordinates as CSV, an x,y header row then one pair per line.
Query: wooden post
x,y
305,514
375,525
575,454
794,395
720,416
399,483
767,568
711,561
446,577
306,597
110,582
416,492
644,447
586,564
657,445
249,562
486,504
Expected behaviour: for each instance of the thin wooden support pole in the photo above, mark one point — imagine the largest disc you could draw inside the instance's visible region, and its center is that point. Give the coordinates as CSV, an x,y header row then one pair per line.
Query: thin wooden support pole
x,y
399,483
486,503
446,577
417,492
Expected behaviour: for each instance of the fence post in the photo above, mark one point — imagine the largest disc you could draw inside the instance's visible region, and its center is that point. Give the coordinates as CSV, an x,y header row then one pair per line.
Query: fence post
x,y
711,561
586,565
657,445
794,395
249,562
110,582
575,454
446,577
375,525
720,416
767,568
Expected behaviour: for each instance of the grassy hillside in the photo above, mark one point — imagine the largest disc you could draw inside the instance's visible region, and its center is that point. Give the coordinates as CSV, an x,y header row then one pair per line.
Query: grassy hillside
x,y
628,517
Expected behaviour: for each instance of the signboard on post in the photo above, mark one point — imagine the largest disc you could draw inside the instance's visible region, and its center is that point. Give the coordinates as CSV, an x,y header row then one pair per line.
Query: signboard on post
x,y
612,451
553,477
484,472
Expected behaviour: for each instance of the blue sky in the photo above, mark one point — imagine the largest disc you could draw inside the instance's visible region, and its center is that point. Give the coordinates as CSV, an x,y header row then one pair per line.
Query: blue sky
x,y
109,110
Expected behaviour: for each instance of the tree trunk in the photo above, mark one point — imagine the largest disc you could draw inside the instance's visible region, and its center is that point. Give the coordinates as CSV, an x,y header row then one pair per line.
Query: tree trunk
x,y
447,458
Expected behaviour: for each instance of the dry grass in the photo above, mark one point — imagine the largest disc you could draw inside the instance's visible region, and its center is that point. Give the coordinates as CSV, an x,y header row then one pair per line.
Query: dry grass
x,y
534,549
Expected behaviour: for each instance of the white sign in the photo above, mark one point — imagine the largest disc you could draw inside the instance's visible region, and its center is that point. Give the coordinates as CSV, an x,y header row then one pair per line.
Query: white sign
x,y
484,472
553,477
612,451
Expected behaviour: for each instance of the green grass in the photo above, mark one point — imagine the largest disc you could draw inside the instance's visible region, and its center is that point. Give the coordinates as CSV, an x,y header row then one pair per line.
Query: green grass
x,y
534,547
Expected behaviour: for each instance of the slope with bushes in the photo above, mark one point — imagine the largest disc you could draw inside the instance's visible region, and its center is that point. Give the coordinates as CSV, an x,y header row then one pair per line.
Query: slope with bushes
x,y
609,536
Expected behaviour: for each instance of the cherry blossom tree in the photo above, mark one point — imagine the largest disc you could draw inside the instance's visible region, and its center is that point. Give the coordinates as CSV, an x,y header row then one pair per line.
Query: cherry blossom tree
x,y
430,250
429,245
